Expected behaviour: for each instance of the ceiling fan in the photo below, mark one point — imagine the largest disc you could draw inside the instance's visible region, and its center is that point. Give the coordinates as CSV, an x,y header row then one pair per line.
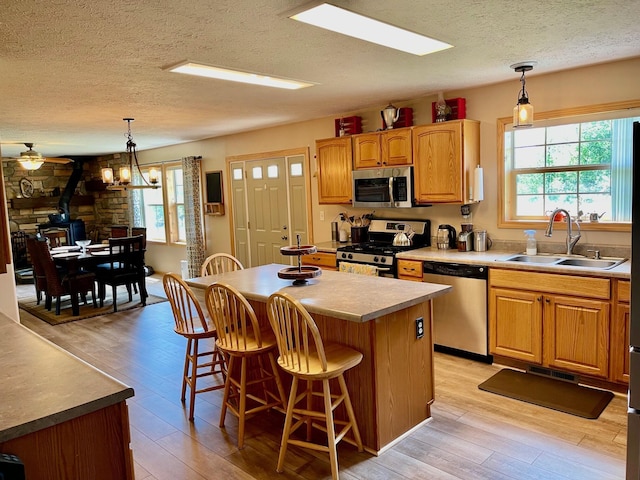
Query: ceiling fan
x,y
32,160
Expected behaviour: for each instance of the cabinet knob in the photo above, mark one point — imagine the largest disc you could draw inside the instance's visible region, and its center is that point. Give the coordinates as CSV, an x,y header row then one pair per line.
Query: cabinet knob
x,y
547,300
539,299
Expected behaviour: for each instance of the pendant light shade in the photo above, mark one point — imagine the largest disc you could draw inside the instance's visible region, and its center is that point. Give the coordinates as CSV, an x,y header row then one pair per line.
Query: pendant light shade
x,y
523,111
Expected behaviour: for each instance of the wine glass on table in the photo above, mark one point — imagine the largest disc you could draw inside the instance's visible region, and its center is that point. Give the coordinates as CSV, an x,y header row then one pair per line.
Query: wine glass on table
x,y
83,244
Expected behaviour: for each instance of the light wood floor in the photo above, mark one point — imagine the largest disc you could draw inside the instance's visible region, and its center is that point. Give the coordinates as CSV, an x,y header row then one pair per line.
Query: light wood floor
x,y
472,435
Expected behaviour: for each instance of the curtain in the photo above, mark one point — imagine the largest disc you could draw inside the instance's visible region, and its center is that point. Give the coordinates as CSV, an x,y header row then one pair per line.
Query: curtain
x,y
621,168
193,219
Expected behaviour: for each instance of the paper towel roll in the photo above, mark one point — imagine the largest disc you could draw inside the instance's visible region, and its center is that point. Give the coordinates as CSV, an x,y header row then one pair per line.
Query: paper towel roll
x,y
478,185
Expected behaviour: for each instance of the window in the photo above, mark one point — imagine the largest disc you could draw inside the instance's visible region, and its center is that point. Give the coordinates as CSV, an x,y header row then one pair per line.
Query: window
x,y
579,162
162,209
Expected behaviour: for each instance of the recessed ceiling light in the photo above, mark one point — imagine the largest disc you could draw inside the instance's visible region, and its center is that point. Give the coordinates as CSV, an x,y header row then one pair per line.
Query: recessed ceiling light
x,y
355,25
221,73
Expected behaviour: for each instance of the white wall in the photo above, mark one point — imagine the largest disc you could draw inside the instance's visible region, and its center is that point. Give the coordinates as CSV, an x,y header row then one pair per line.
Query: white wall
x,y
572,88
8,302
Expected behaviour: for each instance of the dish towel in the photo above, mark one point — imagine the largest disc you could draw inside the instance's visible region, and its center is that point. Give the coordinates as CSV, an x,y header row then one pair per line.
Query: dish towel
x,y
359,268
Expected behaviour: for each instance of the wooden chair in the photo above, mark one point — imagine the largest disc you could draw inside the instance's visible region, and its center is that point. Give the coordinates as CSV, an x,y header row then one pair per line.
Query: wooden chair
x,y
240,339
57,236
305,356
135,231
220,263
119,231
58,284
191,324
39,277
125,267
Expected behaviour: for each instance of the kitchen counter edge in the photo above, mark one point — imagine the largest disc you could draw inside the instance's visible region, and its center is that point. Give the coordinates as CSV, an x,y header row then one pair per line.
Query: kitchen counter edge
x,y
494,259
44,385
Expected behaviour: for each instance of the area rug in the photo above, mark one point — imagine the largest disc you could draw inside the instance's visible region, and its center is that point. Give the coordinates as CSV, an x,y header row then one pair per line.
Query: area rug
x,y
86,311
548,392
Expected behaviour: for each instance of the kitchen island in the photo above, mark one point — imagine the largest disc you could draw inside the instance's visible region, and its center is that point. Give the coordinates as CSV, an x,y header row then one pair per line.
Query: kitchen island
x,y
392,388
62,417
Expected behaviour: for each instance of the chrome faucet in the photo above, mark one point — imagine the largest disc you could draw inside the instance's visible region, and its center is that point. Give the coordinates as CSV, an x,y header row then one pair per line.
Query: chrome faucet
x,y
571,239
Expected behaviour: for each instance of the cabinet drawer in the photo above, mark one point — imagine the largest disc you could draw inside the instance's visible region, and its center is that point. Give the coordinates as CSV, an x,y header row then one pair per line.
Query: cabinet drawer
x,y
410,268
320,259
551,283
624,291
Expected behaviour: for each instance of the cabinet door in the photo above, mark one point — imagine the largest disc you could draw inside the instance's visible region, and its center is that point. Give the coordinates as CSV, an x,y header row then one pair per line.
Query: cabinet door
x,y
515,324
396,147
576,334
333,157
366,151
619,361
438,163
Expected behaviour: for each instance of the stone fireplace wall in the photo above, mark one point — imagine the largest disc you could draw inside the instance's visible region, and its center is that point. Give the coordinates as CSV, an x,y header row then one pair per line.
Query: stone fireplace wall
x,y
91,202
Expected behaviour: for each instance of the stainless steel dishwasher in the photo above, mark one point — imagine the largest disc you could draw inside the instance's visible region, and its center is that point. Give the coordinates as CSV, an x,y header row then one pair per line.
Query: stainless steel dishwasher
x,y
460,324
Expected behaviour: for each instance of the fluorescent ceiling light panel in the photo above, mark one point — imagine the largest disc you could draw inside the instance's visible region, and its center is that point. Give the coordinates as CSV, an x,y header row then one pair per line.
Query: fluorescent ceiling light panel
x,y
355,25
220,73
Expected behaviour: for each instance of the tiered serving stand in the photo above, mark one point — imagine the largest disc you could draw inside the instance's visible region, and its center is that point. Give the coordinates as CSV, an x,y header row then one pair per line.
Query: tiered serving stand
x,y
302,273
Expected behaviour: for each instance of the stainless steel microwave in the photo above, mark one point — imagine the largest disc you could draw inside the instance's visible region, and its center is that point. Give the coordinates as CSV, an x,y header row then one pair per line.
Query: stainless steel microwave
x,y
383,187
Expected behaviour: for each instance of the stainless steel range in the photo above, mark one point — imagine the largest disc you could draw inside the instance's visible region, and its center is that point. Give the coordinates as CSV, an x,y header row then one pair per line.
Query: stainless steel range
x,y
379,250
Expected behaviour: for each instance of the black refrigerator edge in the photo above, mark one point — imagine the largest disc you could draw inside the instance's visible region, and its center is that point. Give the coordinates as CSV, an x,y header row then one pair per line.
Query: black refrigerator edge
x,y
633,413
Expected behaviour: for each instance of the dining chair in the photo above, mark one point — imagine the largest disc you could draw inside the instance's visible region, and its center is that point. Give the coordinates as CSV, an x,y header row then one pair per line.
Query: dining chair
x,y
220,263
125,267
57,236
190,322
58,283
135,231
39,277
241,339
305,356
119,231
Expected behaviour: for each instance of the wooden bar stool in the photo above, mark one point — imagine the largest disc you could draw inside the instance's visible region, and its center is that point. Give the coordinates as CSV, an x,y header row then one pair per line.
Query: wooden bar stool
x,y
191,324
220,263
304,355
240,339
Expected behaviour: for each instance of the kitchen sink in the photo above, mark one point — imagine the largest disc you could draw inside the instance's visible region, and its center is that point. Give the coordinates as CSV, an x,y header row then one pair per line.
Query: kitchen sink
x,y
603,263
583,262
533,259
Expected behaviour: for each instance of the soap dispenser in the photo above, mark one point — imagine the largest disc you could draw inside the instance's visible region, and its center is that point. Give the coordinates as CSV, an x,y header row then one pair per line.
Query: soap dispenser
x,y
532,245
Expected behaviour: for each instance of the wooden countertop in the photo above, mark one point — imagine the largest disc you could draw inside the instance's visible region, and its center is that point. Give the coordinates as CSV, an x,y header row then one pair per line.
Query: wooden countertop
x,y
43,385
495,259
347,296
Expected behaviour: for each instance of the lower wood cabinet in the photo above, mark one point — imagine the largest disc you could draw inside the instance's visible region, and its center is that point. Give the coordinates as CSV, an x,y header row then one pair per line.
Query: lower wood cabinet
x,y
558,321
619,362
324,260
410,270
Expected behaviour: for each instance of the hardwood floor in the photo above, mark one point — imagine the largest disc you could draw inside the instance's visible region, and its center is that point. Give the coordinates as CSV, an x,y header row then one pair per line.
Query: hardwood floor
x,y
472,435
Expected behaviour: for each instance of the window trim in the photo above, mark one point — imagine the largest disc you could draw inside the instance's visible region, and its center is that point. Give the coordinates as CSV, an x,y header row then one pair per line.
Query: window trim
x,y
504,195
169,214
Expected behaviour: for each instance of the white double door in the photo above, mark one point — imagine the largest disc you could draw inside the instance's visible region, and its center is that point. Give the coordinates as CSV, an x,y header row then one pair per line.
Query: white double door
x,y
269,208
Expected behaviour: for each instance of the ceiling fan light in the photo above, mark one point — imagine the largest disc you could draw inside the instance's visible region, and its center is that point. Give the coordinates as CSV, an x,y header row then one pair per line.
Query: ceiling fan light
x,y
30,163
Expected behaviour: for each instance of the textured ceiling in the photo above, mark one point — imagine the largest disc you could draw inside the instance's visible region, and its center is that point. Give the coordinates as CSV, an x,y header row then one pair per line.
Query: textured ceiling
x,y
71,70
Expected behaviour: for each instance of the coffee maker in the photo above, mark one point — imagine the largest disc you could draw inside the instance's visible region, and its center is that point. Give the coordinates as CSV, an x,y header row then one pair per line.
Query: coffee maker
x,y
446,237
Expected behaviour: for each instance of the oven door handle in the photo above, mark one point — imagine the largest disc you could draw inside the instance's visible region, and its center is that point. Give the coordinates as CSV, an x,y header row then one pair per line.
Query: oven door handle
x,y
393,201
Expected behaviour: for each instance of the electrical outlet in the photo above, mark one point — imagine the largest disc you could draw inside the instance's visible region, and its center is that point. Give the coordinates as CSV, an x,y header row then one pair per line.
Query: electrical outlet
x,y
322,215
419,327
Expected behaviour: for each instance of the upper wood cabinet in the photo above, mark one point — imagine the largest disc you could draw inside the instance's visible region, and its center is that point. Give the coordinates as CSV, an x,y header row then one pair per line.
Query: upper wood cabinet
x,y
444,157
383,149
334,162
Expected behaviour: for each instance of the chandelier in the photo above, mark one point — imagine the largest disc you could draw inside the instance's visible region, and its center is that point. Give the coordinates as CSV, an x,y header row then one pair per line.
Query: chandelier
x,y
123,181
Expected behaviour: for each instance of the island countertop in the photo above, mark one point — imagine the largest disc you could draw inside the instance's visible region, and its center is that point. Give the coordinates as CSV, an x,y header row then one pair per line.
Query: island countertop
x,y
43,385
347,296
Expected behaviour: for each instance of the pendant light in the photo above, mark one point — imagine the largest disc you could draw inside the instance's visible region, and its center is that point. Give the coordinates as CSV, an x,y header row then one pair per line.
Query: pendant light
x,y
523,111
123,181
